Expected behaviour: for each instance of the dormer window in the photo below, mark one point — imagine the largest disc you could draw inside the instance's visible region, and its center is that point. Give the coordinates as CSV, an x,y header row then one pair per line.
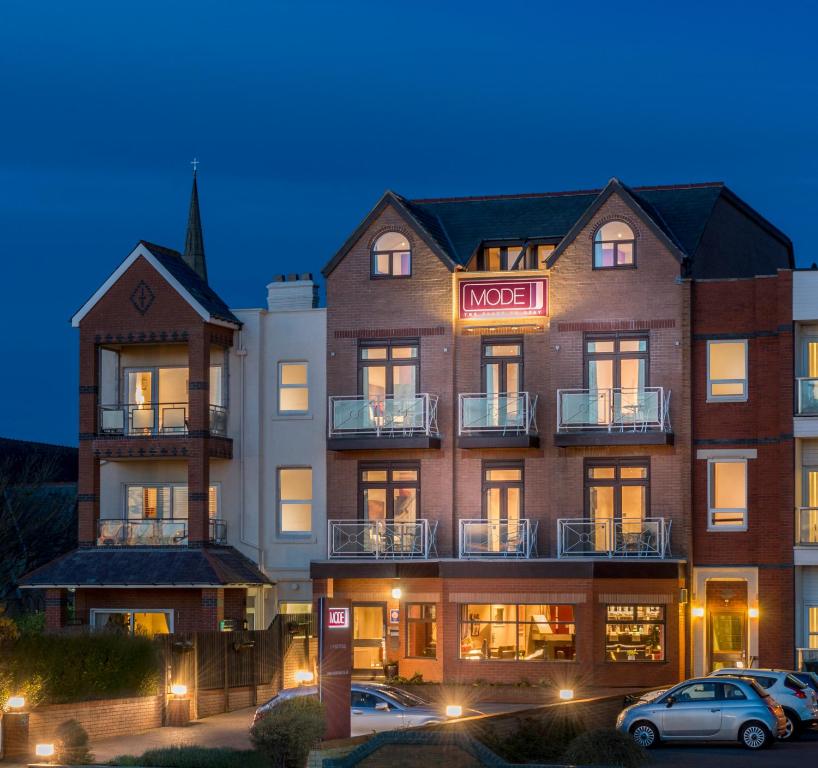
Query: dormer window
x,y
512,257
391,256
614,246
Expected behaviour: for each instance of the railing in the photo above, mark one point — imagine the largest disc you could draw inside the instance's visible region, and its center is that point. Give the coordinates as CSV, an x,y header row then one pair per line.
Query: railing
x,y
381,539
390,415
807,396
498,538
633,410
133,419
807,659
806,526
166,532
610,537
504,413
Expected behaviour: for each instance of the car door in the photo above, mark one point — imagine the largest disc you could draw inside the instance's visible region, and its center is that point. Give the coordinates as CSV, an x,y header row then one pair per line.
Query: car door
x,y
694,713
372,712
734,704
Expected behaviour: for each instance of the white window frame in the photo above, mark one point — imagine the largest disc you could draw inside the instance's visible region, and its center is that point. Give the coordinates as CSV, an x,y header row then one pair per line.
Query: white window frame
x,y
281,364
745,382
167,611
711,462
294,534
126,486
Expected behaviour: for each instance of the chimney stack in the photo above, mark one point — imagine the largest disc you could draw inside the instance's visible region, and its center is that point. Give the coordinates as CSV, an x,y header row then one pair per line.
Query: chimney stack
x,y
292,292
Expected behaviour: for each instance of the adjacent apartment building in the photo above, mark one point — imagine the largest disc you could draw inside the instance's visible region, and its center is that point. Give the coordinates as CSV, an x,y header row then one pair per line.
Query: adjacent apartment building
x,y
201,461
559,441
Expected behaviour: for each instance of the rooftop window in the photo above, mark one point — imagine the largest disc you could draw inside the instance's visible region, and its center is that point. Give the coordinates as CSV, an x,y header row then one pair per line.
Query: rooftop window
x,y
614,246
507,258
391,256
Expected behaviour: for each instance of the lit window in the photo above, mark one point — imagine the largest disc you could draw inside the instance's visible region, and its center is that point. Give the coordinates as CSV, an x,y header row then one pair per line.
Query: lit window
x,y
165,502
421,630
295,499
293,389
635,633
614,246
512,257
391,256
727,370
812,626
727,494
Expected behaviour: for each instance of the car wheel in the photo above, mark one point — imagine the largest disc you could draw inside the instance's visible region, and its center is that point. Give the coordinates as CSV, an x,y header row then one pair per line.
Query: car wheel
x,y
754,735
793,729
645,734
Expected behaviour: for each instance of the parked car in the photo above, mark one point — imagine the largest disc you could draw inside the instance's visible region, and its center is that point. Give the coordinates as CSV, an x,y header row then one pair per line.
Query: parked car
x,y
797,698
810,678
704,709
376,707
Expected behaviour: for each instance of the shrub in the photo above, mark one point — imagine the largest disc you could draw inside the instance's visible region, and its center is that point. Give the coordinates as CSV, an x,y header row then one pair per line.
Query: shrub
x,y
605,747
32,623
194,757
286,735
534,739
72,744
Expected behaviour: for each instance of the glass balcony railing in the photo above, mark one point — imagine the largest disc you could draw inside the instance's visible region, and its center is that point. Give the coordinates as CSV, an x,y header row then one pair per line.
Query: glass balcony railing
x,y
390,415
141,419
612,537
507,413
633,410
807,396
806,526
498,538
167,532
381,539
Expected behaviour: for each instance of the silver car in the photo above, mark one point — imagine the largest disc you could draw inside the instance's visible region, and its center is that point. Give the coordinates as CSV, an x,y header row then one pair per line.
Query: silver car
x,y
706,709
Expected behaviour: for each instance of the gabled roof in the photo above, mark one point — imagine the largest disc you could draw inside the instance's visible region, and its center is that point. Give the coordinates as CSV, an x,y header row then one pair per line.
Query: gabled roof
x,y
188,284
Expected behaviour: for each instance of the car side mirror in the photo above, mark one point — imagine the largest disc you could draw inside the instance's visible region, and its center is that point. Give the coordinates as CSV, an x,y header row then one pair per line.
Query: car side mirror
x,y
381,706
670,701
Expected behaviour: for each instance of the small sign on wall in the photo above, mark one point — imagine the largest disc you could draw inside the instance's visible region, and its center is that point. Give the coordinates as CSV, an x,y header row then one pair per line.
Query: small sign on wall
x,y
338,618
394,615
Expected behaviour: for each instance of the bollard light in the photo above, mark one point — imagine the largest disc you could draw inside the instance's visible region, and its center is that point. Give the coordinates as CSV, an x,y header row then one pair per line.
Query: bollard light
x,y
16,702
566,694
179,690
454,710
44,750
303,676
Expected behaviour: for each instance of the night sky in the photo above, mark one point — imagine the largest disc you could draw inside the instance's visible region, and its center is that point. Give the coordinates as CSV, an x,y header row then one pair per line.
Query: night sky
x,y
303,113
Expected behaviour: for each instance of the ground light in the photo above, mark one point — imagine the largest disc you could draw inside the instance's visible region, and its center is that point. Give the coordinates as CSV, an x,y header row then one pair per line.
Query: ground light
x,y
303,676
16,702
44,750
566,694
178,690
454,710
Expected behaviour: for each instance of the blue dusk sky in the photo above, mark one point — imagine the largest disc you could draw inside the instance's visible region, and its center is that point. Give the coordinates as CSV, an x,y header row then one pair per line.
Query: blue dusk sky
x,y
303,113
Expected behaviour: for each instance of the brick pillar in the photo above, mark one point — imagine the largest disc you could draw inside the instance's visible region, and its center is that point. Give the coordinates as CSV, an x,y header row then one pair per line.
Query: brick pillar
x,y
88,481
56,608
198,464
212,609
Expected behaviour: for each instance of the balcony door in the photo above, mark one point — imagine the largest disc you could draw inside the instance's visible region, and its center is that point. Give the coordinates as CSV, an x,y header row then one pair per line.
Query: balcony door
x,y
388,379
616,374
616,505
808,515
502,506
502,373
808,376
389,496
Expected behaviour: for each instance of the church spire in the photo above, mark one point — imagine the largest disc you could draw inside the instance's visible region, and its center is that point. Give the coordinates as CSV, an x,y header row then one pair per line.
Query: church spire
x,y
194,254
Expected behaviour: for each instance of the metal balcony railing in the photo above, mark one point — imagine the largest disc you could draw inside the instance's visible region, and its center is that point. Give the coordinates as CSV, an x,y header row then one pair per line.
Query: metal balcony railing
x,y
806,526
498,538
137,419
620,410
505,413
807,396
389,416
610,537
167,532
381,539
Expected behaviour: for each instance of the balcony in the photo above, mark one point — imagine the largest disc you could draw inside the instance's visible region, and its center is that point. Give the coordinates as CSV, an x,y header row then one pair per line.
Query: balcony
x,y
498,538
807,396
613,417
155,419
167,532
501,420
381,539
366,423
613,538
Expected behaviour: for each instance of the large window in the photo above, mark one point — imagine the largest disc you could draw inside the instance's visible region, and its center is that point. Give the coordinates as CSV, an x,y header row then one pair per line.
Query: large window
x,y
727,494
635,633
517,632
136,622
506,258
163,501
812,626
727,370
614,246
617,503
388,368
293,388
421,630
391,256
389,491
295,500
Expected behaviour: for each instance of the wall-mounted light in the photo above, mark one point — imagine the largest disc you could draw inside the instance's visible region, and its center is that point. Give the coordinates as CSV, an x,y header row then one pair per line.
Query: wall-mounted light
x,y
396,593
303,676
178,690
566,694
15,702
753,613
697,612
44,750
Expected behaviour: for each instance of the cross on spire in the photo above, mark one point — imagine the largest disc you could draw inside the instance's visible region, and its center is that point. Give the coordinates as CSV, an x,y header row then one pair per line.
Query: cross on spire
x,y
195,163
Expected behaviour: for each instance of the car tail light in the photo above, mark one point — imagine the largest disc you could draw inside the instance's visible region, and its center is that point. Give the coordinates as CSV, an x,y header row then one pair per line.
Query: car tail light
x,y
800,694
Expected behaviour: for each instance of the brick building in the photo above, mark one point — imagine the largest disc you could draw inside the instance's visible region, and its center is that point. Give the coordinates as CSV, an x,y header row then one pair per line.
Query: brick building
x,y
519,437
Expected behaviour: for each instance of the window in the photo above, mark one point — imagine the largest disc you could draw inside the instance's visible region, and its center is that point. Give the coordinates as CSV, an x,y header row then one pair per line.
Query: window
x,y
733,692
421,630
161,502
727,494
389,491
635,633
295,607
507,258
388,368
517,632
293,389
614,246
391,256
136,622
503,491
617,500
295,500
727,370
812,626
696,692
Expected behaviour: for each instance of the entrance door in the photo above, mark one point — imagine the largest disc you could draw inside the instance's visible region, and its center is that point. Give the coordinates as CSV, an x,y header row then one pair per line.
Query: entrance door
x,y
368,639
728,639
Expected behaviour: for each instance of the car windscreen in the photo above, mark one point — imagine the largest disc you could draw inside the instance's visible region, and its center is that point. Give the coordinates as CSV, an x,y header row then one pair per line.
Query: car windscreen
x,y
402,697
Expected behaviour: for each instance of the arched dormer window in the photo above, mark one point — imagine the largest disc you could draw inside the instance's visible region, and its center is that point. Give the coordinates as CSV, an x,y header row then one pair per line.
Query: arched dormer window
x,y
614,246
392,256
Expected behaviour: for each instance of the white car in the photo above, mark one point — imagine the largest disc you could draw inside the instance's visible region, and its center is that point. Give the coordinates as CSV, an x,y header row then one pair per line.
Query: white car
x,y
797,698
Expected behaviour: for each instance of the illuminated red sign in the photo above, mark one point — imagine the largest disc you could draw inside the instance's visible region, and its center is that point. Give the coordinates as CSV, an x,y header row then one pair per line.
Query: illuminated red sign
x,y
338,618
523,297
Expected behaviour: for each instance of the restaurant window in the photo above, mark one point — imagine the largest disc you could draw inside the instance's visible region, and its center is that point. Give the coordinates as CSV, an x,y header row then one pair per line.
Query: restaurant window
x,y
295,500
508,258
727,494
389,491
391,256
164,501
727,371
635,633
421,630
293,388
614,246
527,632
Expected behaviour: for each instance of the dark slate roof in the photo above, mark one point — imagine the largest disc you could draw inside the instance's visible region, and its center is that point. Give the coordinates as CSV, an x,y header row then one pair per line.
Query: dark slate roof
x,y
147,566
27,462
193,283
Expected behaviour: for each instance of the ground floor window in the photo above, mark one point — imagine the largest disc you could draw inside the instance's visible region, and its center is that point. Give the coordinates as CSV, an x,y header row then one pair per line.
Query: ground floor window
x,y
421,630
293,607
136,622
635,633
517,632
